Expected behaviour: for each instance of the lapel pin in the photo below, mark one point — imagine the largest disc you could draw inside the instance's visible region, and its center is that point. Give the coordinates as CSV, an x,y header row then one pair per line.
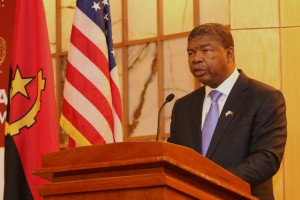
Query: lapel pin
x,y
228,113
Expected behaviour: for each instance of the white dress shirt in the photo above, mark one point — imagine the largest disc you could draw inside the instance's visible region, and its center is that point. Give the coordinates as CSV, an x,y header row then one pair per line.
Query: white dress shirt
x,y
225,88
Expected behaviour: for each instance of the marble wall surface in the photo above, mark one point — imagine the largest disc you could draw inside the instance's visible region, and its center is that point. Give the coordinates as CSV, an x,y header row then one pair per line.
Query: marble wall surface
x,y
142,88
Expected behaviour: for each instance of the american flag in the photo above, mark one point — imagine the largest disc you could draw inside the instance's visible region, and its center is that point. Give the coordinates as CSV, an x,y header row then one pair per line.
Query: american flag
x,y
91,108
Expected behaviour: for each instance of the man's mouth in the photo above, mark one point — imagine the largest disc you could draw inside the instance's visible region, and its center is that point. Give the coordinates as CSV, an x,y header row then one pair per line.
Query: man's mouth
x,y
200,72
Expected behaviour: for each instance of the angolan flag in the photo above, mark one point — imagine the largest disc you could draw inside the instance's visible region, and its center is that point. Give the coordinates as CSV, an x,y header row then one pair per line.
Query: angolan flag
x,y
91,109
32,125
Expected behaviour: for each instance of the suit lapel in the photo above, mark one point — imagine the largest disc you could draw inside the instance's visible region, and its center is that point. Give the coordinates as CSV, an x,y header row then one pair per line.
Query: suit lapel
x,y
197,107
232,105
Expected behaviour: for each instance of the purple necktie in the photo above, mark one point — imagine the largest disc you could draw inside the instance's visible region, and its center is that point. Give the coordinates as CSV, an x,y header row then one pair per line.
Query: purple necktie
x,y
211,120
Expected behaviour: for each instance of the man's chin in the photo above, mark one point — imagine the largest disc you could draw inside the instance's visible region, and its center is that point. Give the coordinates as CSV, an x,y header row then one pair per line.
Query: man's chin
x,y
208,83
203,80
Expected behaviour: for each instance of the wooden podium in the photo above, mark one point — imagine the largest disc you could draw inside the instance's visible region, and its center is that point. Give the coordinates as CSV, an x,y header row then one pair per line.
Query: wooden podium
x,y
136,171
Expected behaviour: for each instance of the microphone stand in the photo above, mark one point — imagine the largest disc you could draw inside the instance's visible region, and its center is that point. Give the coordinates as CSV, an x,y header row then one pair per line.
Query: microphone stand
x,y
169,98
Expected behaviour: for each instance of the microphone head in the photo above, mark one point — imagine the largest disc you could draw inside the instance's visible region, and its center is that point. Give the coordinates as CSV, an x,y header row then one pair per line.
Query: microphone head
x,y
170,97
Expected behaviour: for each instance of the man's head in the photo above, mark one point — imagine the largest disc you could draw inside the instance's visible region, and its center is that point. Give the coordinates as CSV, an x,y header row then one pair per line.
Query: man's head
x,y
218,31
211,53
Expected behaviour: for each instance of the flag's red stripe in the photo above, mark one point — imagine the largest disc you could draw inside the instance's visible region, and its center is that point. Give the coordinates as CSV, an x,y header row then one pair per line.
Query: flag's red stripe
x,y
90,50
90,92
81,124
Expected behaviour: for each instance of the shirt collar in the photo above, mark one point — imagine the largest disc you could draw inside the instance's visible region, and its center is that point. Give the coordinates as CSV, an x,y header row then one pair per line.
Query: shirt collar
x,y
227,85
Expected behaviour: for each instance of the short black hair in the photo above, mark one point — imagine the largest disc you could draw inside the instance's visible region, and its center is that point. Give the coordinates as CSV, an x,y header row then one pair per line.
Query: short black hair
x,y
219,31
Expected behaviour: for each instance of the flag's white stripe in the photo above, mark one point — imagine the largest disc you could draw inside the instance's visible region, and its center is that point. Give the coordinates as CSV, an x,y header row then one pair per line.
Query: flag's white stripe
x,y
88,111
90,71
114,74
90,30
118,130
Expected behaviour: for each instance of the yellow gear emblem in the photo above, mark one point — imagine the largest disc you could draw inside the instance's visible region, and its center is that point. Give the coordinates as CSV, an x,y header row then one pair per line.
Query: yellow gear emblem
x,y
27,120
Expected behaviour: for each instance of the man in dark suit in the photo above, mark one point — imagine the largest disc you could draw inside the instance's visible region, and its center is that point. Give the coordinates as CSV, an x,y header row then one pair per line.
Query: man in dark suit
x,y
250,135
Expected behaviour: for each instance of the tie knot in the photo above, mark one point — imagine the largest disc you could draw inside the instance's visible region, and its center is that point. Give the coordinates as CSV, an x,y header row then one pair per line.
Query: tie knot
x,y
215,95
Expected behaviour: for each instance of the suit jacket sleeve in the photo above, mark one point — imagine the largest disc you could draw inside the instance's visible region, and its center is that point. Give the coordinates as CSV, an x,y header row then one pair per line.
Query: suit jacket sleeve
x,y
267,140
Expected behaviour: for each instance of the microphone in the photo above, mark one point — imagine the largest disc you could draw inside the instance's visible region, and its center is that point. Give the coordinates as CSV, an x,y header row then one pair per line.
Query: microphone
x,y
169,98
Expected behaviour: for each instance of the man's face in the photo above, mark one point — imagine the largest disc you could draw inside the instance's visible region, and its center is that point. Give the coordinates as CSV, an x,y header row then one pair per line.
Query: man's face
x,y
209,61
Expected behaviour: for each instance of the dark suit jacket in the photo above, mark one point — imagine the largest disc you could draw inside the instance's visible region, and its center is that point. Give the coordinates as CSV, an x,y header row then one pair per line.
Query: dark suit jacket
x,y
250,143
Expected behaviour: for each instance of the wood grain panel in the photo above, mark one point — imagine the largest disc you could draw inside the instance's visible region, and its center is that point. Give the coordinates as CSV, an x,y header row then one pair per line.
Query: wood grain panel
x,y
291,89
254,13
289,10
258,54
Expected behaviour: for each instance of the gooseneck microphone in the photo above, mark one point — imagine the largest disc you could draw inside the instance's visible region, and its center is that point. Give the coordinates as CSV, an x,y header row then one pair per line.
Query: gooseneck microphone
x,y
169,98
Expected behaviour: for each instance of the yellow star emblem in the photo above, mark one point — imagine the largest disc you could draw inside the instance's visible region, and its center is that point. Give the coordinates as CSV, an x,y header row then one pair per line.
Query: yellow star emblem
x,y
19,83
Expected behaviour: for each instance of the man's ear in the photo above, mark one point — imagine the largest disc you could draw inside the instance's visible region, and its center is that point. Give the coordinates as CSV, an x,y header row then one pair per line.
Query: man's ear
x,y
230,54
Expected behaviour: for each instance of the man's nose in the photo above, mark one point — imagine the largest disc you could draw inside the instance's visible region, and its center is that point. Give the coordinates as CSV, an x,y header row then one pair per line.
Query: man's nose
x,y
199,56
